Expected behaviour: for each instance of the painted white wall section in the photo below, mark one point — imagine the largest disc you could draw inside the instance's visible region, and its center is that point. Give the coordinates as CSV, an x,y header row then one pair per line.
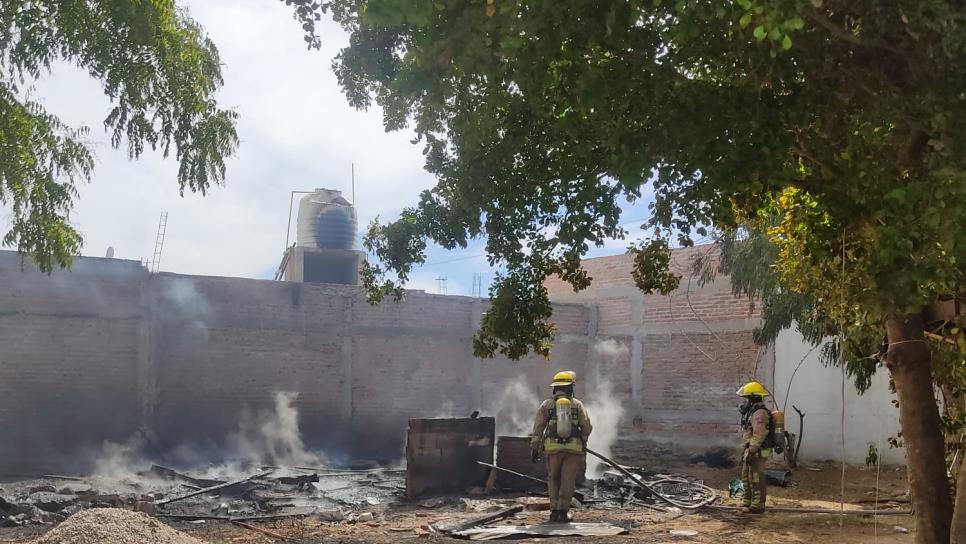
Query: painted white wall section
x,y
870,418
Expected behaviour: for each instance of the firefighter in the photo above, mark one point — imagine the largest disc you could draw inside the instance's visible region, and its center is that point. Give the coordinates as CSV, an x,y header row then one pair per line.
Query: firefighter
x,y
756,435
561,429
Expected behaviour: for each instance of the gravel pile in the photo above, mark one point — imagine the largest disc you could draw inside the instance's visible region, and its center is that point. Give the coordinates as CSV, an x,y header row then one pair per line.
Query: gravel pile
x,y
114,526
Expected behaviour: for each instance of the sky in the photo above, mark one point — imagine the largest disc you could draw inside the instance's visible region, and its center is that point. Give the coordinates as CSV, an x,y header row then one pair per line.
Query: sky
x,y
297,132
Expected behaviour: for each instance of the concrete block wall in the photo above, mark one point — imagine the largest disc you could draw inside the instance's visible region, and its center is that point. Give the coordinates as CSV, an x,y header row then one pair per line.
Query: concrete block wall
x,y
69,367
870,419
96,353
223,347
99,352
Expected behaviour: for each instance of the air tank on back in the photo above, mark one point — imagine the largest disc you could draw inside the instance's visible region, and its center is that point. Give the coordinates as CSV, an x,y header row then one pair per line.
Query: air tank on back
x,y
326,220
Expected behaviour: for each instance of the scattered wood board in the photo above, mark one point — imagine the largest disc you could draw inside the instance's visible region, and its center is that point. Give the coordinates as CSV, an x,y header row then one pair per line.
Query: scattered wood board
x,y
544,529
454,527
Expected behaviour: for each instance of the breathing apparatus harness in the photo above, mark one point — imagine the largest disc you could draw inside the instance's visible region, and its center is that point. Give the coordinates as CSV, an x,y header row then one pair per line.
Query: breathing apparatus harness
x,y
748,409
563,420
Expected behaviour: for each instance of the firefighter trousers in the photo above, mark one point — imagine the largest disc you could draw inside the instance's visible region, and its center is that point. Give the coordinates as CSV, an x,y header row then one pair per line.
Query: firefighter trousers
x,y
562,470
753,479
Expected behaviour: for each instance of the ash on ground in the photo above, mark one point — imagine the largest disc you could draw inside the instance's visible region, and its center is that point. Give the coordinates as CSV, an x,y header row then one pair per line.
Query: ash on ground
x,y
263,493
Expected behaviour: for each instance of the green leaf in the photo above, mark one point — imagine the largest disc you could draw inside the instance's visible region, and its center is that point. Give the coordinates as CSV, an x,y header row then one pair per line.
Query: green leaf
x,y
745,20
898,194
745,4
775,34
161,73
760,32
787,42
796,24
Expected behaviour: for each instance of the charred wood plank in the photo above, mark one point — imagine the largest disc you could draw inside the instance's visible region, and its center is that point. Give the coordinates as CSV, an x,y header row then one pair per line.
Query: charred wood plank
x,y
212,488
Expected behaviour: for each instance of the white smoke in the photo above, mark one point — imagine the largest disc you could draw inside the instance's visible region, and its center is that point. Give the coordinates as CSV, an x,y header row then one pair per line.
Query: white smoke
x,y
610,349
515,409
192,305
605,408
272,436
447,410
119,462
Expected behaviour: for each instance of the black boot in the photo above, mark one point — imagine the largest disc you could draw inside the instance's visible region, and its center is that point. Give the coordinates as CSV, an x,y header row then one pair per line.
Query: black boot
x,y
554,516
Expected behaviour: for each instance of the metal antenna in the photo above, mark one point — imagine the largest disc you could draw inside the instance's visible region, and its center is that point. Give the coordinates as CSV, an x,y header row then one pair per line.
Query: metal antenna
x,y
478,284
354,184
441,284
159,242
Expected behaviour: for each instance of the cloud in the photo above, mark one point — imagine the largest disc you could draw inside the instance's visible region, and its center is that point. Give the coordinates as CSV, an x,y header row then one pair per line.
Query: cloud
x,y
296,130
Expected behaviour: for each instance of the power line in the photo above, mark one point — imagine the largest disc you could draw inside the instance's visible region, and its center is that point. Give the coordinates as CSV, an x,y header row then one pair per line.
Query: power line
x,y
474,256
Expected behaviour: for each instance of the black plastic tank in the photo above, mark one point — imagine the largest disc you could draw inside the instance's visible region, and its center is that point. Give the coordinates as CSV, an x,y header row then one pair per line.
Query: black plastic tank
x,y
326,220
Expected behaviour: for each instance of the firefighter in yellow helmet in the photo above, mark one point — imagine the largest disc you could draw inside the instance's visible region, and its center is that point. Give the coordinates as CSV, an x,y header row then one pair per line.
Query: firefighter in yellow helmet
x,y
756,434
561,429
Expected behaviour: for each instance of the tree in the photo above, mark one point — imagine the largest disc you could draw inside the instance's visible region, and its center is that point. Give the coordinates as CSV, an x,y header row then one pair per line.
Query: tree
x,y
748,258
839,120
160,72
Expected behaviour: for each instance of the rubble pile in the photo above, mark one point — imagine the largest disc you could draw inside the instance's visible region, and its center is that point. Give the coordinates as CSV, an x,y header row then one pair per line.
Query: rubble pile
x,y
281,492
114,526
266,493
48,500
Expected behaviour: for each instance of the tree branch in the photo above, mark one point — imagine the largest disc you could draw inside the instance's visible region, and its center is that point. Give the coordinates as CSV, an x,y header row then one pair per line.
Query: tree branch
x,y
844,35
826,171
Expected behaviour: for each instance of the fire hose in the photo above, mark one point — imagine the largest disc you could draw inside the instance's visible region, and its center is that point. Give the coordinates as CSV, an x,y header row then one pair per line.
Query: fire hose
x,y
709,494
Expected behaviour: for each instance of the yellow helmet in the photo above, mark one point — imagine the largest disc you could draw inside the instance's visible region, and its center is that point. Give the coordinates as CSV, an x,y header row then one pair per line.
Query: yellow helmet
x,y
567,377
752,389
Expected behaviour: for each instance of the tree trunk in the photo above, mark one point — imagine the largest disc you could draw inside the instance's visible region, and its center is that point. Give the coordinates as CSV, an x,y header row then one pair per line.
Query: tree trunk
x,y
953,404
959,514
910,363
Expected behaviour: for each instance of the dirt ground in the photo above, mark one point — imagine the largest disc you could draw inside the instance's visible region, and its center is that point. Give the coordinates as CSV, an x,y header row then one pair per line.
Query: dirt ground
x,y
815,487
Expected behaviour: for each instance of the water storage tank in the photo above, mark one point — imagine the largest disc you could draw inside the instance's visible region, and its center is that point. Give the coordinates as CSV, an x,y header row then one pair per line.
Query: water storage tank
x,y
326,220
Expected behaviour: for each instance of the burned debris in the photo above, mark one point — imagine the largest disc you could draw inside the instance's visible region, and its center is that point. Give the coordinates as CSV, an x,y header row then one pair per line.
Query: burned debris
x,y
269,492
476,489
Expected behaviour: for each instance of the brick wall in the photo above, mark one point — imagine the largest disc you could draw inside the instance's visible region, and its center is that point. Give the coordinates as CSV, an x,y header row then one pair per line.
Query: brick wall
x,y
94,354
688,352
224,346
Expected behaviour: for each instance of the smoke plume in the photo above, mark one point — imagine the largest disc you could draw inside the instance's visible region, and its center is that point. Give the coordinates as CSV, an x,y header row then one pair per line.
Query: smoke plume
x,y
272,436
515,409
192,306
119,462
605,408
